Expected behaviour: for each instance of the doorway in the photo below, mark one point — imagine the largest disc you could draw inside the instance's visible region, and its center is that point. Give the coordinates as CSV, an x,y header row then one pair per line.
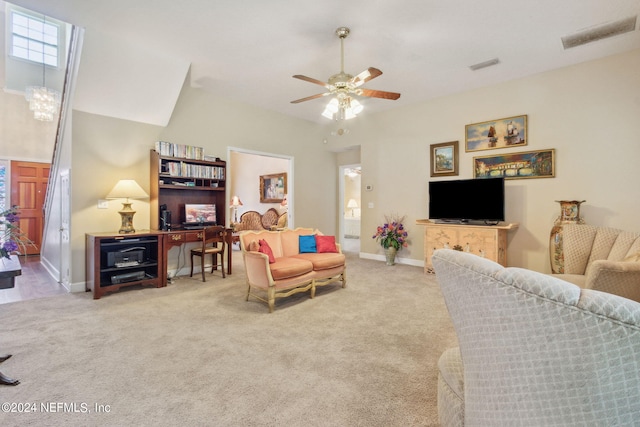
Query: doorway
x,y
350,207
243,180
28,188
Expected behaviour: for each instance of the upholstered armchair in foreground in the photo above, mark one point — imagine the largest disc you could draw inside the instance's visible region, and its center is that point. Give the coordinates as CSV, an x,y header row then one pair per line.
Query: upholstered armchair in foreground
x,y
600,258
534,350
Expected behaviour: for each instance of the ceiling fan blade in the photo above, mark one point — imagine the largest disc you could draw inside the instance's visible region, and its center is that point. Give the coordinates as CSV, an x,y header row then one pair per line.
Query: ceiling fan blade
x,y
309,98
311,80
368,74
379,94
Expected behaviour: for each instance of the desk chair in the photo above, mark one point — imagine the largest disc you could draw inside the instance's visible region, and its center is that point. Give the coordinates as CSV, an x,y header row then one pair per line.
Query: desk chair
x,y
213,241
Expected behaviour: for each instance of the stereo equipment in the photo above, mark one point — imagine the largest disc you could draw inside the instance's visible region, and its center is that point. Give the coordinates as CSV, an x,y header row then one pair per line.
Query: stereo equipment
x,y
127,277
127,256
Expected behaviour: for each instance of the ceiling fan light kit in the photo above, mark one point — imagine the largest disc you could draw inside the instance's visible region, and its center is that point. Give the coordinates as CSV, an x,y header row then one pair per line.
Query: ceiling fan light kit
x,y
343,87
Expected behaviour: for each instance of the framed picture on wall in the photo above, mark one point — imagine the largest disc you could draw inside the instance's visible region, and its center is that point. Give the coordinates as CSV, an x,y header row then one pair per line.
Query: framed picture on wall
x,y
527,164
444,159
273,187
501,133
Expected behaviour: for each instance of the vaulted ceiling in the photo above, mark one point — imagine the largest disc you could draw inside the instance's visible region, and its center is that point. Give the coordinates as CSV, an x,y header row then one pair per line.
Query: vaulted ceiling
x,y
138,52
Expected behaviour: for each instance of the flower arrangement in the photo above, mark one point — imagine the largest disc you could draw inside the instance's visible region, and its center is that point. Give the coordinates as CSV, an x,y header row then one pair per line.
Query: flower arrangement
x,y
11,238
392,233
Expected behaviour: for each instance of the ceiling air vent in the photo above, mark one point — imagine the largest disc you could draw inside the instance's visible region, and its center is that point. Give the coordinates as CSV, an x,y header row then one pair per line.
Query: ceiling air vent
x,y
600,32
485,64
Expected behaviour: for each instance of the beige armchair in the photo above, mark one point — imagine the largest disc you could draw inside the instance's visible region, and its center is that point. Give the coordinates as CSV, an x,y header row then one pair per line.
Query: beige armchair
x,y
601,258
534,350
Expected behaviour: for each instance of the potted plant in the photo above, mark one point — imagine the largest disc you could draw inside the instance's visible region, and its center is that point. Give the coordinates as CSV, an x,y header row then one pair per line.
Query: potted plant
x,y
392,237
12,240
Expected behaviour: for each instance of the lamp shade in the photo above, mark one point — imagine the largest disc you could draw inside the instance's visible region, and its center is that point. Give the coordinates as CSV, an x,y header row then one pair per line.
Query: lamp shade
x,y
352,203
235,201
284,201
127,189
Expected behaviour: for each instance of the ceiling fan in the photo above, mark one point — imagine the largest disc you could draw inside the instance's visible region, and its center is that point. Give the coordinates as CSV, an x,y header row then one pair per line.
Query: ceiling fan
x,y
343,86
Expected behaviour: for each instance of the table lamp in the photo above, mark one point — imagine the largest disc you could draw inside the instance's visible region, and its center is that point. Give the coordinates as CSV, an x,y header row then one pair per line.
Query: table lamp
x,y
235,202
127,189
352,204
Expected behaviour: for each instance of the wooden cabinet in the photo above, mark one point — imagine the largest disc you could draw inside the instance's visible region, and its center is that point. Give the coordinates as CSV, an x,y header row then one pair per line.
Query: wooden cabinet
x,y
488,241
176,181
115,260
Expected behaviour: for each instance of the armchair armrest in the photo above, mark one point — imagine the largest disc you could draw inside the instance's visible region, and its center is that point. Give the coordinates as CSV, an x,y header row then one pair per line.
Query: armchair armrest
x,y
257,269
615,277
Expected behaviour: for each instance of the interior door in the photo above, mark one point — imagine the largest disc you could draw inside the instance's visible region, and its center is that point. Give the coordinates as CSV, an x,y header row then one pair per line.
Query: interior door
x,y
28,188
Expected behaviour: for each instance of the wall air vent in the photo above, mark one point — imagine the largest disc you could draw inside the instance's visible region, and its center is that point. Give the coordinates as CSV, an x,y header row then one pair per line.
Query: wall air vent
x,y
599,32
485,64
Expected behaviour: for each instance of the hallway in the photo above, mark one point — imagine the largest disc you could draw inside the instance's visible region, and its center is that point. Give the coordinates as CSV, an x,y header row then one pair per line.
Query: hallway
x,y
35,282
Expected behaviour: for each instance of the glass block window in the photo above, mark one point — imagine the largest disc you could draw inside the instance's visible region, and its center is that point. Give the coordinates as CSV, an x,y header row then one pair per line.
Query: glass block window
x,y
34,39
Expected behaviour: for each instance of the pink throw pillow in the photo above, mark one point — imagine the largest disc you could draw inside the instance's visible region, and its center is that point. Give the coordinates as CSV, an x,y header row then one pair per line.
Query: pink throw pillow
x,y
326,244
266,249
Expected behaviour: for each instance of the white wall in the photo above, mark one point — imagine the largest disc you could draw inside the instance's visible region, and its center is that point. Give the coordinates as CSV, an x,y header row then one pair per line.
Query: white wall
x,y
589,113
21,136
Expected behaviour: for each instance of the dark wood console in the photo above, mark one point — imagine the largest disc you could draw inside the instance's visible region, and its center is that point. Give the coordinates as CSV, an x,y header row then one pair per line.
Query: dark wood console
x,y
116,260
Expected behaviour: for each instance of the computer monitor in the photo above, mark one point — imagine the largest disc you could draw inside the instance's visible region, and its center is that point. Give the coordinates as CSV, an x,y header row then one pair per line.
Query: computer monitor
x,y
200,214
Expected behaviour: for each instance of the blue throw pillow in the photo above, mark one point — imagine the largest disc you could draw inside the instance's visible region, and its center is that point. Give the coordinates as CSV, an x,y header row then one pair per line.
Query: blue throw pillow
x,y
307,244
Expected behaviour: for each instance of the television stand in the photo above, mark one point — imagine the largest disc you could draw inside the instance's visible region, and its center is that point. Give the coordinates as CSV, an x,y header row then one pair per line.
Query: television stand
x,y
488,241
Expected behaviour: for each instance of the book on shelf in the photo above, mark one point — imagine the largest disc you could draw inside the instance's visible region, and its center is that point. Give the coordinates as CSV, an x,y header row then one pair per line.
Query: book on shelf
x,y
193,171
169,149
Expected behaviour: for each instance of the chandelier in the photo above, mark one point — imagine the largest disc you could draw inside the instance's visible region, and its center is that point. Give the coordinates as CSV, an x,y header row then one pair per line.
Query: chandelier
x,y
43,102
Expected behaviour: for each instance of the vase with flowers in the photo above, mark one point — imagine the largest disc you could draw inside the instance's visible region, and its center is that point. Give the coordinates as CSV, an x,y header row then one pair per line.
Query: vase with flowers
x,y
12,239
392,237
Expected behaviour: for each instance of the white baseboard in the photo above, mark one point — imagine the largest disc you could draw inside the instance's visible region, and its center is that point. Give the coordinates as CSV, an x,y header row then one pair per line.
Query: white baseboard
x,y
399,260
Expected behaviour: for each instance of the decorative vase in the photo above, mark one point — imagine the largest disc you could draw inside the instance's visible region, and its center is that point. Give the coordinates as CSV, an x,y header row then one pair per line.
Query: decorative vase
x,y
390,253
569,214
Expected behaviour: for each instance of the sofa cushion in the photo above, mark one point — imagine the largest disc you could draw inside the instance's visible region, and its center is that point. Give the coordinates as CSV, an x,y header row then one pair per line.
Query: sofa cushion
x,y
323,261
287,267
266,249
282,221
254,246
289,240
307,244
326,244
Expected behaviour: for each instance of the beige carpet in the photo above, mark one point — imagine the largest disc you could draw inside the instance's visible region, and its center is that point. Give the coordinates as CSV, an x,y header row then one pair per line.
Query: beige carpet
x,y
197,353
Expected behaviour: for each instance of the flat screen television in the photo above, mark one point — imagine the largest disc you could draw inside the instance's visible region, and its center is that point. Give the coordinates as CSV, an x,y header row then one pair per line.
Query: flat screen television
x,y
195,214
467,200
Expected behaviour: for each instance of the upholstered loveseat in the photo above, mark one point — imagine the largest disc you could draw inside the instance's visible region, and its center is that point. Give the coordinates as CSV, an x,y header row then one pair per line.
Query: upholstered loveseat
x,y
600,258
534,350
282,263
253,220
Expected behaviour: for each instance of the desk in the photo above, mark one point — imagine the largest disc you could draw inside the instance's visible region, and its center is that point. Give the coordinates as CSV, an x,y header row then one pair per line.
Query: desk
x,y
9,269
180,237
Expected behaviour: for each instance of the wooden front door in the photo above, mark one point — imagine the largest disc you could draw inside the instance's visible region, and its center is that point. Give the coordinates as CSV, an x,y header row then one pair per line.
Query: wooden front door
x,y
28,188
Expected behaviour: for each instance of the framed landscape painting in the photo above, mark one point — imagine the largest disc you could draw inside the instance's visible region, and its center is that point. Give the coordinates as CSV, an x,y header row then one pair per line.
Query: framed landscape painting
x,y
528,164
502,133
444,159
